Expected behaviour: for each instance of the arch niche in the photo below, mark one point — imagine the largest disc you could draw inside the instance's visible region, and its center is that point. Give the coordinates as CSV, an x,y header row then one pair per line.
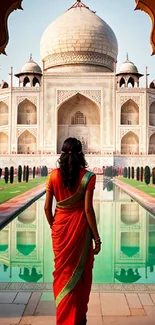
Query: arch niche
x,y
27,143
27,113
152,114
3,143
152,144
130,113
130,144
3,114
79,117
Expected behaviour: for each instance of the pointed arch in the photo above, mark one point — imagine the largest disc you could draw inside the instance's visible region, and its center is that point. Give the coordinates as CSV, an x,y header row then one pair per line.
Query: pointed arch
x,y
152,114
36,82
152,85
26,82
79,117
27,143
122,82
152,144
130,144
129,113
3,114
27,113
4,145
131,83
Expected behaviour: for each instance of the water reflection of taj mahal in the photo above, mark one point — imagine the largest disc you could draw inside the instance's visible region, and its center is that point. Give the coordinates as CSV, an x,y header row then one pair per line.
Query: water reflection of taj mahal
x,y
128,236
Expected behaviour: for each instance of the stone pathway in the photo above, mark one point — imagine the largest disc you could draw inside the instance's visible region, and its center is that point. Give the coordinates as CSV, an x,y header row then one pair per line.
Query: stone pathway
x,y
142,198
38,308
14,206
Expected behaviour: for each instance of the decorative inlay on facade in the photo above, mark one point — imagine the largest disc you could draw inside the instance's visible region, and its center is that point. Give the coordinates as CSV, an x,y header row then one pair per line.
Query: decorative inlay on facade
x,y
124,99
125,131
95,95
32,99
151,100
4,130
22,130
5,100
79,57
151,131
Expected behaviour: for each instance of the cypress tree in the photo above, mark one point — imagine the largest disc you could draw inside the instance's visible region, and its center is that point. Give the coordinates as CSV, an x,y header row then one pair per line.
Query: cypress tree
x,y
141,174
27,174
132,172
128,172
6,174
34,172
147,175
0,172
137,173
125,172
153,175
24,173
11,174
19,173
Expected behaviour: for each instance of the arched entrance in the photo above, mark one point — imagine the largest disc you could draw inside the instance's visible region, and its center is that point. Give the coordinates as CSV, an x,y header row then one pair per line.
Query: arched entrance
x,y
130,113
79,117
152,144
130,144
152,114
3,143
26,143
3,114
27,113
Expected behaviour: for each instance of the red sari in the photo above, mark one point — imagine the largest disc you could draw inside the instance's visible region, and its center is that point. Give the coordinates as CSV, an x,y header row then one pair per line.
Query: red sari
x,y
73,250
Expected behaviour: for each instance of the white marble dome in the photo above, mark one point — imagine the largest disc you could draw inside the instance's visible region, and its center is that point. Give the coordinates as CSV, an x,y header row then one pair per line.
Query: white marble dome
x,y
31,67
79,37
128,67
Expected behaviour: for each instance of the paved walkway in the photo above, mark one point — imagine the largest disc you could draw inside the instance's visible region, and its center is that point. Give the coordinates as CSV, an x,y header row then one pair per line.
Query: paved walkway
x,y
14,206
145,200
37,308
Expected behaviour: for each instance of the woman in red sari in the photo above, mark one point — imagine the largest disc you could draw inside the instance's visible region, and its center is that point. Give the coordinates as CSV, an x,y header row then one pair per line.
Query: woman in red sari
x,y
73,229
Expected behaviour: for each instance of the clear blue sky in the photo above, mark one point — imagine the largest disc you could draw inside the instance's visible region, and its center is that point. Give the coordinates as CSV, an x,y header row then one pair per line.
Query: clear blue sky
x,y
132,29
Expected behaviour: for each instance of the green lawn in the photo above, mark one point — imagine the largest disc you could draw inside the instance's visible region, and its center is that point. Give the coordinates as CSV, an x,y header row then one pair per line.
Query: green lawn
x,y
139,185
12,190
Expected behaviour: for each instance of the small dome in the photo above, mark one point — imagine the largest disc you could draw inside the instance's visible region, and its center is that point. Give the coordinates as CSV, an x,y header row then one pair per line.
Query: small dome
x,y
79,36
128,67
31,67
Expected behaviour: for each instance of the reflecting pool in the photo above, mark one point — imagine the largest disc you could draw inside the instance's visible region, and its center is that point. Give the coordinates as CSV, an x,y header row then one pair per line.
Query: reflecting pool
x,y
128,242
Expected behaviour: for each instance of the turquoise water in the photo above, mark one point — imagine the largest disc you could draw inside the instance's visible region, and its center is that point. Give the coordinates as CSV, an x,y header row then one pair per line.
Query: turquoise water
x,y
127,231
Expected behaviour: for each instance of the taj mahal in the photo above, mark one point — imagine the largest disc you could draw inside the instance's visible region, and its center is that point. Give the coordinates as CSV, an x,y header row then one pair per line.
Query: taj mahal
x,y
78,92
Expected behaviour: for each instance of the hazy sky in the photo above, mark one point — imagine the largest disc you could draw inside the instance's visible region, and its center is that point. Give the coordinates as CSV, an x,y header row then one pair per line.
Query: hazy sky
x,y
132,29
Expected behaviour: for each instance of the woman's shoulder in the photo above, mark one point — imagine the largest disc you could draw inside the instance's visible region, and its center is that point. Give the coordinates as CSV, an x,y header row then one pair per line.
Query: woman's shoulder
x,y
54,173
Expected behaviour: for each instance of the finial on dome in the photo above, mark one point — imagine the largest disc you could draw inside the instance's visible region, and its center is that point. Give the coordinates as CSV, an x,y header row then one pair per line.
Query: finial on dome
x,y
80,4
30,56
127,56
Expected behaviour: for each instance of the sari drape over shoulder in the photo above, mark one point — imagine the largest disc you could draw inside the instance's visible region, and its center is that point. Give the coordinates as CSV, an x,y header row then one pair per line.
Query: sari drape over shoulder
x,y
73,254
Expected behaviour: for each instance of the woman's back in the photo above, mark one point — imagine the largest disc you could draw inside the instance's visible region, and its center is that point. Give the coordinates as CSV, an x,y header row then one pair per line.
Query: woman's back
x,y
56,186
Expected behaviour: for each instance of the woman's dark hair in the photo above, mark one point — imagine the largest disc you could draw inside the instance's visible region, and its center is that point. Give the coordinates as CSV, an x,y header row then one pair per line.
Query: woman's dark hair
x,y
70,162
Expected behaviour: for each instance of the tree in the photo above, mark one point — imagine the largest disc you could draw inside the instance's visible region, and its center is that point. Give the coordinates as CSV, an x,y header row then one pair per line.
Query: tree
x,y
34,172
0,172
132,172
27,174
24,173
20,173
147,175
6,174
137,173
11,174
153,175
128,172
125,171
141,174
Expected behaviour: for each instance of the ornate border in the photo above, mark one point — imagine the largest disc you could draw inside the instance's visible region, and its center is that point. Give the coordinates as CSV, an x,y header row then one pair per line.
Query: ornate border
x,y
94,95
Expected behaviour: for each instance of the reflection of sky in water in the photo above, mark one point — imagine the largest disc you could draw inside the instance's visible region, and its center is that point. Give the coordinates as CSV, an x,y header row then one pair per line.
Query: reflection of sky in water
x,y
128,237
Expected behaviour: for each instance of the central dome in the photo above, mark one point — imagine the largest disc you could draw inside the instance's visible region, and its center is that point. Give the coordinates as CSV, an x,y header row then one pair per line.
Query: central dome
x,y
79,37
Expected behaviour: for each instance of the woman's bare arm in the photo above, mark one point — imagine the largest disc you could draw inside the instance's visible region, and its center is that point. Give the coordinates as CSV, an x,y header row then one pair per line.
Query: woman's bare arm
x,y
48,208
91,218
